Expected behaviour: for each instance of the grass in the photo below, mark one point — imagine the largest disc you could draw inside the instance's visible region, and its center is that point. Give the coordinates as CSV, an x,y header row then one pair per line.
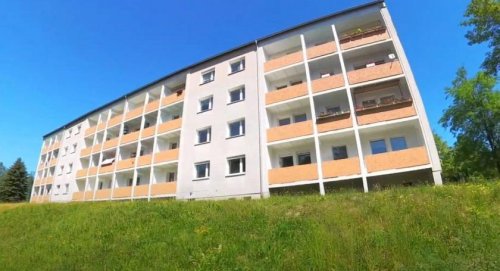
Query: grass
x,y
455,227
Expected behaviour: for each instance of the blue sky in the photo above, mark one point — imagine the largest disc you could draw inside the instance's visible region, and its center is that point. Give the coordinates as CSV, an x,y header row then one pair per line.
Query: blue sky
x,y
78,55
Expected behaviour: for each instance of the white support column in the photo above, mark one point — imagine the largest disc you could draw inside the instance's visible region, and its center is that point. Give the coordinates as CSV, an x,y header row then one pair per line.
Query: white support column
x,y
313,117
139,145
353,112
155,141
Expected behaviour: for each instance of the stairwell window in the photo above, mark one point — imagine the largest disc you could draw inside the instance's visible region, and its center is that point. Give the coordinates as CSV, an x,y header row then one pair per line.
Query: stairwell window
x,y
378,146
398,143
202,170
236,165
204,135
237,95
237,128
206,104
237,65
208,76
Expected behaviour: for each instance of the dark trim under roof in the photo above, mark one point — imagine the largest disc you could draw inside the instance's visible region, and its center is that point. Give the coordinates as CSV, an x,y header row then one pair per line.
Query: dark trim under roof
x,y
185,69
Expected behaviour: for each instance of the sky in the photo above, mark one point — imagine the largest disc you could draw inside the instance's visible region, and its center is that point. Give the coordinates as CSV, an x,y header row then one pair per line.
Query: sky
x,y
75,56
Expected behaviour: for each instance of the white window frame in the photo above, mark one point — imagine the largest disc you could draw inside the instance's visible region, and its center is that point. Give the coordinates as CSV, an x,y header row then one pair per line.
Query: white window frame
x,y
207,170
241,90
211,79
242,65
242,128
210,104
70,168
242,165
209,135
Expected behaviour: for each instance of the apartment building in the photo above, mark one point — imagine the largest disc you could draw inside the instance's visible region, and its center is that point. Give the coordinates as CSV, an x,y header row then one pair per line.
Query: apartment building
x,y
328,104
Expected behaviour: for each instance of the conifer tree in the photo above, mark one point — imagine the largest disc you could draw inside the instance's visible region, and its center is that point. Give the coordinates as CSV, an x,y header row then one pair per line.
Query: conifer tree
x,y
15,183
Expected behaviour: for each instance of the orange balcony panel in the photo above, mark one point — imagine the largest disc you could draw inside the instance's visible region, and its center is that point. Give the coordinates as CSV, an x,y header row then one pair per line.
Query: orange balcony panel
x,y
144,160
166,156
85,152
122,192
283,61
371,36
49,180
45,149
321,50
44,198
101,126
89,195
134,113
115,120
56,145
298,129
386,112
124,164
170,126
92,171
148,132
130,137
397,159
163,188
53,162
375,72
106,169
286,93
78,196
90,131
103,194
326,83
339,168
110,143
141,190
293,174
152,106
332,123
82,173
173,98
96,148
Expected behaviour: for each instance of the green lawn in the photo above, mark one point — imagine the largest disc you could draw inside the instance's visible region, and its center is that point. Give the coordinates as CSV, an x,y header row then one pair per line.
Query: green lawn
x,y
455,227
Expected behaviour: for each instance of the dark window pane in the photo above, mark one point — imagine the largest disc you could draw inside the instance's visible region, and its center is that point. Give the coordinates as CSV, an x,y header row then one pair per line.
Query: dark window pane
x,y
378,146
234,166
283,122
205,104
398,143
235,95
286,161
203,136
201,170
369,103
300,118
339,152
304,158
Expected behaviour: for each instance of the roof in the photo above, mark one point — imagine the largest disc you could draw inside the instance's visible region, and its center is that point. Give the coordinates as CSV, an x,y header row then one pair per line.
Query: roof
x,y
185,69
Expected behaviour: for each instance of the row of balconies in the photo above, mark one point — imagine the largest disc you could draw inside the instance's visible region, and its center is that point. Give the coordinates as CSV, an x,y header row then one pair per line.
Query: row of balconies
x,y
47,164
44,181
40,199
335,81
407,158
51,147
135,113
157,189
134,136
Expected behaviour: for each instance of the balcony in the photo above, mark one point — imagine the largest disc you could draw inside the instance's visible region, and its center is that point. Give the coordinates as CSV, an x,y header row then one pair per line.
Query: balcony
x,y
144,160
135,113
101,126
148,132
56,145
96,148
167,156
131,137
283,61
110,143
359,38
297,129
152,106
103,194
90,131
173,98
122,192
339,168
293,174
82,173
326,83
321,50
286,93
411,157
398,109
53,162
86,151
125,164
106,169
92,171
141,190
334,122
78,196
376,72
49,180
170,126
163,188
115,121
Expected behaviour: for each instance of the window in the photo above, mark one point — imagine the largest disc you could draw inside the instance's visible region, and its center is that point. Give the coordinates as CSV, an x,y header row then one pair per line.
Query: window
x,y
387,99
70,167
236,165
138,180
238,65
68,134
74,148
202,170
237,95
283,122
339,152
58,187
66,149
378,146
300,118
286,161
304,158
173,145
66,189
204,135
369,103
61,170
398,143
333,110
171,177
237,128
206,104
208,76
78,129
130,182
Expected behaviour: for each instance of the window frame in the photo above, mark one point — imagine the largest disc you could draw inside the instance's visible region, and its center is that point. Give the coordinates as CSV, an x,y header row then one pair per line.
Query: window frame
x,y
236,61
241,164
210,104
241,128
337,147
378,140
396,138
207,171
242,94
281,157
211,79
209,135
301,154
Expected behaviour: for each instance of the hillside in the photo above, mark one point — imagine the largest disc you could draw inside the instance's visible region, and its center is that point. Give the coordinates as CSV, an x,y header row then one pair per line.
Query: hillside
x,y
455,227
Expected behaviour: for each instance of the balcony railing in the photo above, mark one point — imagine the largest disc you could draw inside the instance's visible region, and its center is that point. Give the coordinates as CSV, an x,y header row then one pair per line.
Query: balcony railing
x,y
122,192
106,169
321,50
101,126
130,137
110,143
103,194
376,72
125,164
398,109
173,98
339,168
144,160
141,190
163,188
283,61
286,93
134,113
152,106
115,120
90,131
92,171
169,126
82,173
411,157
298,129
326,83
86,151
167,156
362,37
293,174
78,196
334,122
148,132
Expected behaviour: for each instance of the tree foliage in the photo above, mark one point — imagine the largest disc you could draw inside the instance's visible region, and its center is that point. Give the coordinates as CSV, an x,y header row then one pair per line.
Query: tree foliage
x,y
474,118
484,18
14,186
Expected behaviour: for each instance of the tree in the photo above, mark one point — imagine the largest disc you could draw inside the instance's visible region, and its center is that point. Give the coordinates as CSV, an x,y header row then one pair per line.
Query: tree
x,y
14,186
3,170
450,170
484,17
474,118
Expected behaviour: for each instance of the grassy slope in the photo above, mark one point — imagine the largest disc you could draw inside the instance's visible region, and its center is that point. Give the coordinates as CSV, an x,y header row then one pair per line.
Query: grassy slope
x,y
456,227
